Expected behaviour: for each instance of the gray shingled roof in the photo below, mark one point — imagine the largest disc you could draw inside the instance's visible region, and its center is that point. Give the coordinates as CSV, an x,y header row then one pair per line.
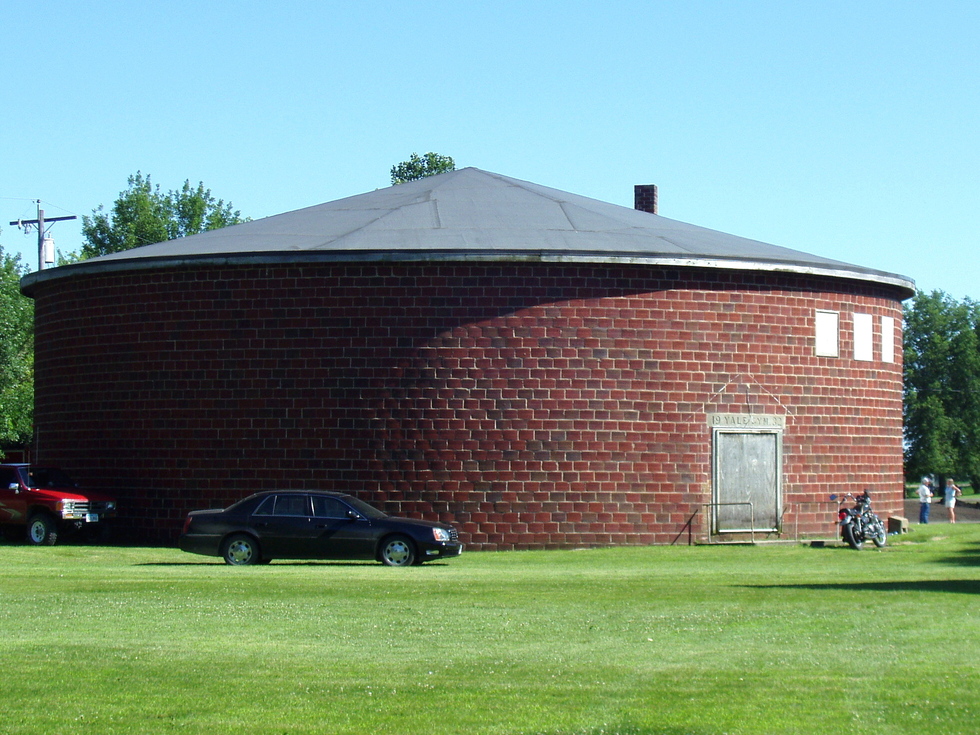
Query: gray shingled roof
x,y
476,215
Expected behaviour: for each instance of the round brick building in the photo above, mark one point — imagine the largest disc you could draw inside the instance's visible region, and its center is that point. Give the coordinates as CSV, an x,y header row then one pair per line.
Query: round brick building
x,y
538,368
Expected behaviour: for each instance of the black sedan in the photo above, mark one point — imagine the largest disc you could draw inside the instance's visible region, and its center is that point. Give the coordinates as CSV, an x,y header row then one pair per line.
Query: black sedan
x,y
314,525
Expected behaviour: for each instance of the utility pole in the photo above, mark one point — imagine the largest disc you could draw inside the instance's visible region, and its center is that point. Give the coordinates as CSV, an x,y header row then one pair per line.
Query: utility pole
x,y
40,222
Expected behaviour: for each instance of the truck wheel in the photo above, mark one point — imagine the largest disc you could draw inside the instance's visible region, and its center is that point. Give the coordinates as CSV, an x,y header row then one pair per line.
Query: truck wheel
x,y
42,530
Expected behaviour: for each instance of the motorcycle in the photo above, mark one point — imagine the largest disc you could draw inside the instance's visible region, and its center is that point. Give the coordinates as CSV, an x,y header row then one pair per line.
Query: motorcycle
x,y
860,524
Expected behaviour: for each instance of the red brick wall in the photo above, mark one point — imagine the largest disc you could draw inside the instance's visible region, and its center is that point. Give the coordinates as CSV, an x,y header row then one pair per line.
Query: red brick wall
x,y
533,405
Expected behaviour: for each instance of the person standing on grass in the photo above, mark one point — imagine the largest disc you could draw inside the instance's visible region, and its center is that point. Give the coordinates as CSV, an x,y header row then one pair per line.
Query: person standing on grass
x,y
925,497
950,494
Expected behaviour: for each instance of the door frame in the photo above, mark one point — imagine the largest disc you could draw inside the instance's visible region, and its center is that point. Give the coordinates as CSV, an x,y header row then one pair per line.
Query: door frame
x,y
727,424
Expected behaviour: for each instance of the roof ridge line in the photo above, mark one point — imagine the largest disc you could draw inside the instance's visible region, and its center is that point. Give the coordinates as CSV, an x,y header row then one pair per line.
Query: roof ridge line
x,y
425,197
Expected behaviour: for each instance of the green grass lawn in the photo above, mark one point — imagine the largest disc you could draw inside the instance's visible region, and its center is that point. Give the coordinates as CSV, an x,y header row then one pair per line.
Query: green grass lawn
x,y
656,640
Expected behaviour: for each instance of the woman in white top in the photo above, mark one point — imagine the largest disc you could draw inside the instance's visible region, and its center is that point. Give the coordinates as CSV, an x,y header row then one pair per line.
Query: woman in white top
x,y
950,493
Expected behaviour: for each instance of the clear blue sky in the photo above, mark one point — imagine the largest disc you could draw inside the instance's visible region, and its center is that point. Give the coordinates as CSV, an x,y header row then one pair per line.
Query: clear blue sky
x,y
849,130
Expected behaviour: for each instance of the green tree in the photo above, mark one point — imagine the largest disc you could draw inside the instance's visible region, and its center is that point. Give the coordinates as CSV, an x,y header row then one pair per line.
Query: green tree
x,y
143,215
418,167
16,355
964,371
942,387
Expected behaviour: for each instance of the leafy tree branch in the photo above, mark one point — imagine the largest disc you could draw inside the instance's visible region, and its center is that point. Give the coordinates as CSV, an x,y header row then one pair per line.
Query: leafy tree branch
x,y
143,214
418,167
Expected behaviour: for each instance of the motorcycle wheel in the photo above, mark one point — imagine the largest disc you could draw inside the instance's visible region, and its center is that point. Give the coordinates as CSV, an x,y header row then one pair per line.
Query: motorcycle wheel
x,y
880,538
852,539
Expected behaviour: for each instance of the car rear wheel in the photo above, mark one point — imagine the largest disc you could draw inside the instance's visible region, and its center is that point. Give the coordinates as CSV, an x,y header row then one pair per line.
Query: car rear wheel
x,y
240,550
42,530
398,551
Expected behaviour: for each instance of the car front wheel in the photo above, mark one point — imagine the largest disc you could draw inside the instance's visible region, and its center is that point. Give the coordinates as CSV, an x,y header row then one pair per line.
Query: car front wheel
x,y
398,551
240,550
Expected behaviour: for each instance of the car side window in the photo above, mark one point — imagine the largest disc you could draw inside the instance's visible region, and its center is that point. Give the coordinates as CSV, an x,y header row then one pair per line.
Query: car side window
x,y
7,477
329,508
266,507
284,505
292,505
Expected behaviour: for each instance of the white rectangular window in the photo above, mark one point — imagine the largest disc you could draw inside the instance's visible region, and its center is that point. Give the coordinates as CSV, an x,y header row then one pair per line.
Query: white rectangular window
x,y
864,337
887,339
827,338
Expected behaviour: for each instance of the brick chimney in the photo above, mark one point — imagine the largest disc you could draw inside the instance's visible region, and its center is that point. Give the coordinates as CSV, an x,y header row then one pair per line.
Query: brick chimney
x,y
645,198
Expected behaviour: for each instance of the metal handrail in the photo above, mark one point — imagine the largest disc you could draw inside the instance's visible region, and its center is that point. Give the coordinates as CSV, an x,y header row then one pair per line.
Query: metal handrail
x,y
713,527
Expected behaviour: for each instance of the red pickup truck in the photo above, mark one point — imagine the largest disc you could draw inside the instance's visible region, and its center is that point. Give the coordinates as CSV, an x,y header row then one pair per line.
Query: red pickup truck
x,y
46,501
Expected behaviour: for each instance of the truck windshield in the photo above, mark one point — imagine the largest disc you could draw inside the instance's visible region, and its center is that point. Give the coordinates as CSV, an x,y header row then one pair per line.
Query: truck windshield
x,y
48,477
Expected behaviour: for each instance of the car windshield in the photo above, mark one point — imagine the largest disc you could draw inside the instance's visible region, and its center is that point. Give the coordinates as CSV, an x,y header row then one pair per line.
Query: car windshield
x,y
363,508
48,477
